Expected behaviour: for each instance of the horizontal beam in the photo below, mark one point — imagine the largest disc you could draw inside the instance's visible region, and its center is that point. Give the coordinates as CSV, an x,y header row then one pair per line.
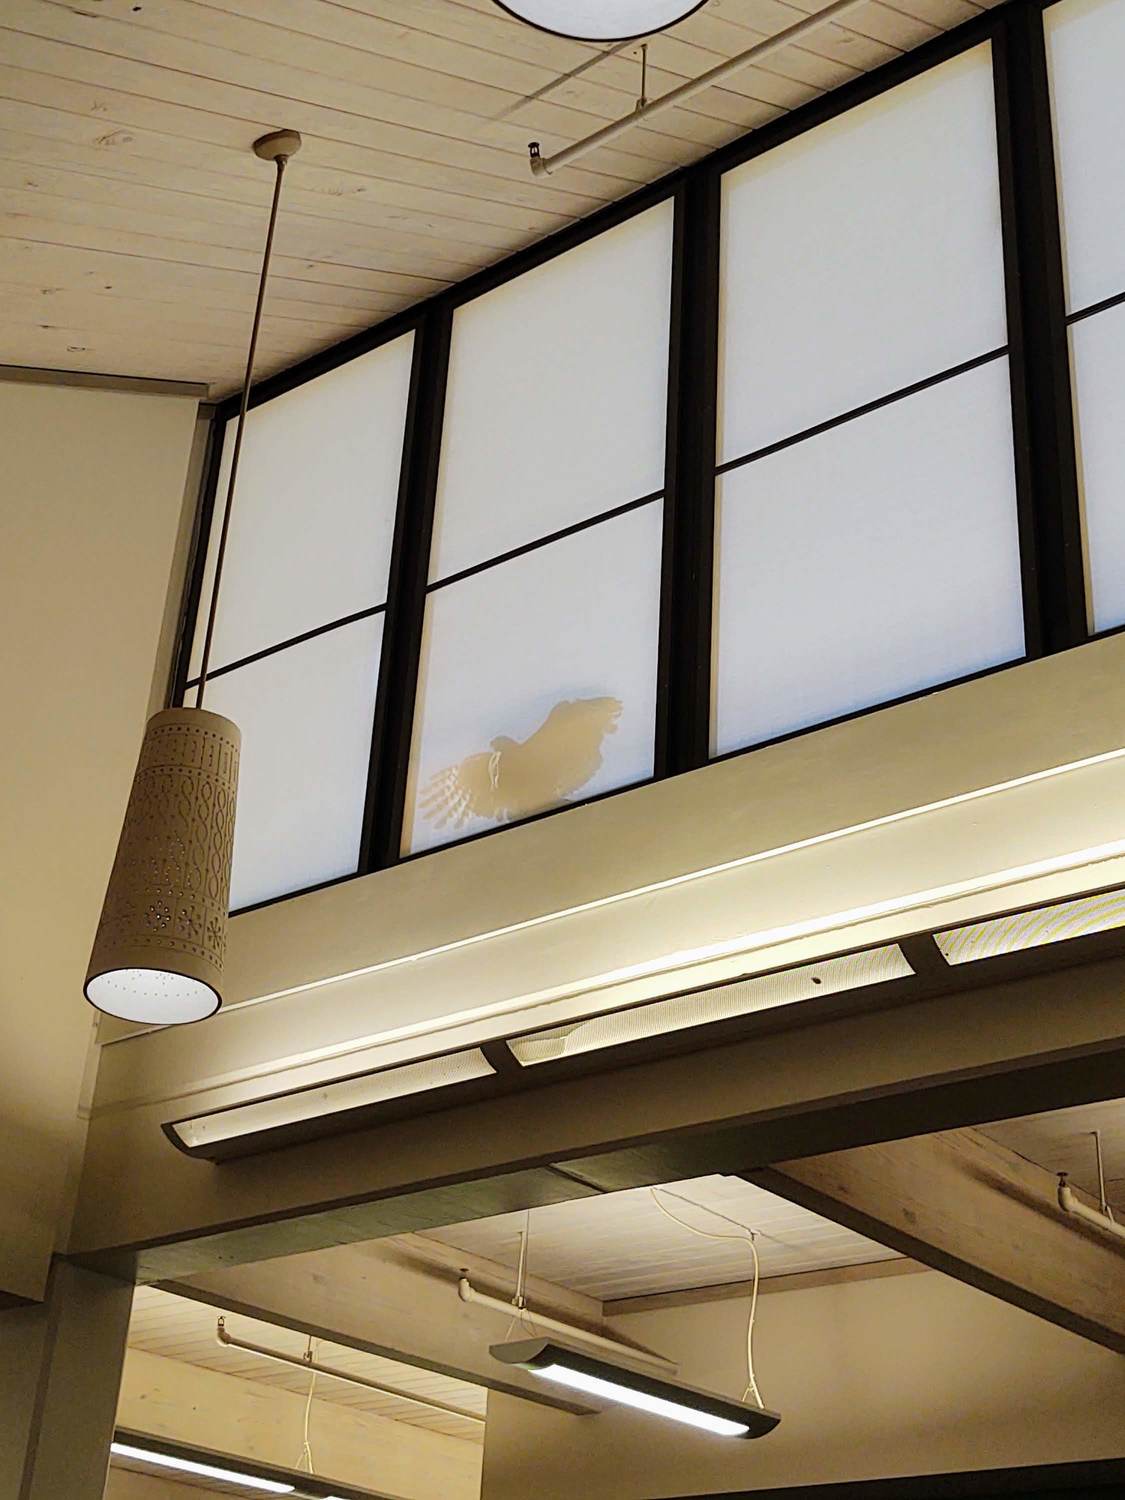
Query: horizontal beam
x,y
931,1066
739,1291
38,375
965,1205
396,1300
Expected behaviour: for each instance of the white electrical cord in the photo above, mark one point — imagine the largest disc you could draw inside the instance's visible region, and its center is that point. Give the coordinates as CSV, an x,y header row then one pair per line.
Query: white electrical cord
x,y
747,1237
306,1447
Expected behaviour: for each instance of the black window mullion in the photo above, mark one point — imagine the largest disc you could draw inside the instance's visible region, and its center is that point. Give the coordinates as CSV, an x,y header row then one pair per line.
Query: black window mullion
x,y
197,560
1046,462
683,699
406,594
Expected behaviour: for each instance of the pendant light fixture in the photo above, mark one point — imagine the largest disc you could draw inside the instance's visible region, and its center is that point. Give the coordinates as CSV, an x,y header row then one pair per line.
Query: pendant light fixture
x,y
601,20
159,948
576,1370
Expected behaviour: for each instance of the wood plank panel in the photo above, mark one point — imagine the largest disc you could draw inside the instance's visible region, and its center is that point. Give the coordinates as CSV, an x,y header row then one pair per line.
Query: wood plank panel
x,y
465,110
74,81
963,1204
106,160
126,174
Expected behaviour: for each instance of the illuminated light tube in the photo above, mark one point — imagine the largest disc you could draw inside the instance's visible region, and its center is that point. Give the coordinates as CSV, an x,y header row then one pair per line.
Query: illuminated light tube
x,y
322,1109
1021,930
578,1371
202,1471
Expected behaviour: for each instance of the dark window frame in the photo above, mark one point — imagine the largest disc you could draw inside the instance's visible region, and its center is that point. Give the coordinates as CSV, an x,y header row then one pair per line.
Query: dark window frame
x,y
1042,412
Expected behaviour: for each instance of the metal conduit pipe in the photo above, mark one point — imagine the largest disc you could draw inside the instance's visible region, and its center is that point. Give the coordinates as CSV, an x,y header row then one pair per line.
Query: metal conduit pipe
x,y
468,1293
1078,1210
544,165
301,1362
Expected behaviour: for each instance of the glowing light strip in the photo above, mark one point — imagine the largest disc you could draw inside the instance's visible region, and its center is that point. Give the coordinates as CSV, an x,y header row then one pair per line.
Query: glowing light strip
x,y
204,1471
671,882
656,1405
669,963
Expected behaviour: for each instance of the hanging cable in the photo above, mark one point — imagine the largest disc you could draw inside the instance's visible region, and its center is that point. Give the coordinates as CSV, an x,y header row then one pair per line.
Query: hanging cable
x,y
280,160
1102,1199
306,1447
747,1237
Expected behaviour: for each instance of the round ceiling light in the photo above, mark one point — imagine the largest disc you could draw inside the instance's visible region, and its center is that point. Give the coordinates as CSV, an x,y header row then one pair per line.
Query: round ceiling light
x,y
601,20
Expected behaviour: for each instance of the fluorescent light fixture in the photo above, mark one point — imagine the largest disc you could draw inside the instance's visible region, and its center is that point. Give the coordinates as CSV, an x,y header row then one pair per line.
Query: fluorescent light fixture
x,y
313,1111
612,1390
742,997
579,1371
202,1471
1033,929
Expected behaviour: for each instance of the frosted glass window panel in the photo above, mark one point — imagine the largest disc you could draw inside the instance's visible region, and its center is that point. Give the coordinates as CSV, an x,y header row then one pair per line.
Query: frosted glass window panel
x,y
873,561
861,257
1086,53
314,509
1098,354
306,715
538,681
557,395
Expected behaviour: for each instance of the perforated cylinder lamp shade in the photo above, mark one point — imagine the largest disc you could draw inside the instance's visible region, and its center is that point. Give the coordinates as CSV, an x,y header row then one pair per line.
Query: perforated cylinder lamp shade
x,y
160,945
159,950
600,20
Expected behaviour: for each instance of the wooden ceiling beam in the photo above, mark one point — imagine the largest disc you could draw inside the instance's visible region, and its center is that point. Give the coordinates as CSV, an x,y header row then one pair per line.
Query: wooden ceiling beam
x,y
963,1204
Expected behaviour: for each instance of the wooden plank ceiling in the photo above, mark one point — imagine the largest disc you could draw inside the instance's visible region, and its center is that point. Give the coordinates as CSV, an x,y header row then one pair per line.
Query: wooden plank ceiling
x,y
625,1245
132,212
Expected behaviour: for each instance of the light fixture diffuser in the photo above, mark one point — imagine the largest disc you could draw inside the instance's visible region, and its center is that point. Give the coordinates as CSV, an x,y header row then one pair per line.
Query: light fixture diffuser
x,y
305,1114
554,1362
601,20
1020,930
741,997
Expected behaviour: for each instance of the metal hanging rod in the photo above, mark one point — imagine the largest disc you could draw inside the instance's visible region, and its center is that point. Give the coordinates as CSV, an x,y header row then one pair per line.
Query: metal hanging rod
x,y
543,165
1071,1204
303,1362
1102,1216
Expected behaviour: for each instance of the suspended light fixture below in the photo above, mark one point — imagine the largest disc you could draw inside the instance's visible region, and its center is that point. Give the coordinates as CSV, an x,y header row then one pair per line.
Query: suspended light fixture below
x,y
601,20
561,1364
160,945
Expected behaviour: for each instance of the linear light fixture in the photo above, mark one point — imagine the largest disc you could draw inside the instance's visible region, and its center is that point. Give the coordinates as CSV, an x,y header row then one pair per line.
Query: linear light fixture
x,y
555,1362
742,997
323,1109
200,1470
1020,930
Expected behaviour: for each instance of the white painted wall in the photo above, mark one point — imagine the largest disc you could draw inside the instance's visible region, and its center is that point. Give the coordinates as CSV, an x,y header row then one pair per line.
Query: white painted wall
x,y
93,494
876,1379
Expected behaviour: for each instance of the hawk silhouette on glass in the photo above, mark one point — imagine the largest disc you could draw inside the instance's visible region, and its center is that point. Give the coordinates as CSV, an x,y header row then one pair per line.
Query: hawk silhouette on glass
x,y
514,778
